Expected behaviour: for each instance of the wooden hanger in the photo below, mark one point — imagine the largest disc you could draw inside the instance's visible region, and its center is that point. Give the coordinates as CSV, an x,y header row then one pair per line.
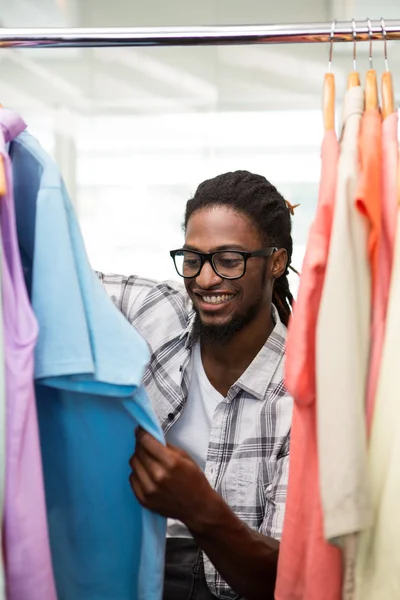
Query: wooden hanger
x,y
328,100
328,94
371,90
388,101
354,77
353,80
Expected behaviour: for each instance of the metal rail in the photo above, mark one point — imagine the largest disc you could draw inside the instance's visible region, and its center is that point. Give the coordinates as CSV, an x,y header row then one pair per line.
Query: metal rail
x,y
198,36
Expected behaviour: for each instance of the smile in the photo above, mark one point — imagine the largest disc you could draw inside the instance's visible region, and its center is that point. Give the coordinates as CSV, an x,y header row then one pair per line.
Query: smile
x,y
219,299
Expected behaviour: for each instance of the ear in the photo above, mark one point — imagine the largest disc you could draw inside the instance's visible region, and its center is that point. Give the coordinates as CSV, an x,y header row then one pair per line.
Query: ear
x,y
279,263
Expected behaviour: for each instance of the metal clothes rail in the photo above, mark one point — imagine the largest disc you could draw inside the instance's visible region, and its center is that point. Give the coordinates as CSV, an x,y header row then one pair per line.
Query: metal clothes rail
x,y
344,31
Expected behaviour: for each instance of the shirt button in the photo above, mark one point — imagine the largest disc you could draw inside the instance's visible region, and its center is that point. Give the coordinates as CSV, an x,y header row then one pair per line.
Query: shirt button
x,y
171,416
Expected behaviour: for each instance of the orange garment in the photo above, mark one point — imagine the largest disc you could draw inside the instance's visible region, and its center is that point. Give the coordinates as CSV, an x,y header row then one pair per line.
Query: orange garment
x,y
386,248
308,568
368,199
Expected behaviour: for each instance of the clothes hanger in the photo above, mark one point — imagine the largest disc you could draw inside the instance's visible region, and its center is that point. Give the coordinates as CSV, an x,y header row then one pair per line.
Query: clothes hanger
x,y
371,81
388,101
328,94
354,78
3,180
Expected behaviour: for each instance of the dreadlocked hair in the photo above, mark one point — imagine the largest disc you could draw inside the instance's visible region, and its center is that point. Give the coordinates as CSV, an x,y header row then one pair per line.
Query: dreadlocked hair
x,y
257,198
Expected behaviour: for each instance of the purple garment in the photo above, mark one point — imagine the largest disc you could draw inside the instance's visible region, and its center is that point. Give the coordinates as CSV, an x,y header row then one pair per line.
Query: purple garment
x,y
28,568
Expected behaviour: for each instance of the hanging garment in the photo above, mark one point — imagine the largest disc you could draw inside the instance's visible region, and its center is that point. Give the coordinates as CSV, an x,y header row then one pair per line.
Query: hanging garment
x,y
369,189
89,362
342,353
386,245
309,568
377,572
26,543
3,416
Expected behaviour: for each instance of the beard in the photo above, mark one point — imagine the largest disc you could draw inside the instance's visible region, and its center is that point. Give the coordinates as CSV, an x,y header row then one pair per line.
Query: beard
x,y
222,334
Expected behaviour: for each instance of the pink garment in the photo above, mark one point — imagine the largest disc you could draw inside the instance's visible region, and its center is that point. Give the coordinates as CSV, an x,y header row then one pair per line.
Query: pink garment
x,y
308,568
28,567
389,218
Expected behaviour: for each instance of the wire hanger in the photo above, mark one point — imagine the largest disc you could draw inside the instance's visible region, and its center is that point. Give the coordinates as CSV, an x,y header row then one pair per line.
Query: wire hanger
x,y
388,101
328,94
354,78
371,81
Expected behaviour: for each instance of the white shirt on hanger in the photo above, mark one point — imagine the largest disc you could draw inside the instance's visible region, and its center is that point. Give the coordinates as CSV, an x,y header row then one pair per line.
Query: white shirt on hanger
x,y
342,355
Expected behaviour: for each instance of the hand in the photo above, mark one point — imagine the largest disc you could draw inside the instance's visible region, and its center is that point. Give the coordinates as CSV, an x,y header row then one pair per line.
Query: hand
x,y
167,481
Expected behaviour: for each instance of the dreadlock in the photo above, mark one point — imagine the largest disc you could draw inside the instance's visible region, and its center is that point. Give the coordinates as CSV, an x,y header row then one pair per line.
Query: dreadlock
x,y
257,198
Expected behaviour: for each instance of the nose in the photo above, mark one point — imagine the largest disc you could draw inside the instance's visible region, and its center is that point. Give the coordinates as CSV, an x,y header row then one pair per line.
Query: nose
x,y
207,278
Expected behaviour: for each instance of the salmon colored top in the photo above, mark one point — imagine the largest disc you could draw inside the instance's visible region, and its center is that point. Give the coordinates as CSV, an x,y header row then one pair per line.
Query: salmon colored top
x,y
309,568
388,229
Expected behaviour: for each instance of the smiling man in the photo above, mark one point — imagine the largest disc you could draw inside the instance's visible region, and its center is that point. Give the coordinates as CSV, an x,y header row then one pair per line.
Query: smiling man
x,y
216,383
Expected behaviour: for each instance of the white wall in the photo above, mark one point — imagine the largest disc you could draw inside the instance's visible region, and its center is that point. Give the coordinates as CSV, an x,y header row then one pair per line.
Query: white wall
x,y
136,130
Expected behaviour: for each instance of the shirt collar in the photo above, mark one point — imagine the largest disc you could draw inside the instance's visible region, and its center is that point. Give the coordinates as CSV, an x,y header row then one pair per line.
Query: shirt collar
x,y
257,377
188,331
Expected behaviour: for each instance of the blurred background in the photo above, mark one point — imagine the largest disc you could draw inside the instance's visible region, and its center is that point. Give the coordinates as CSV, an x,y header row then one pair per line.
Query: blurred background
x,y
135,130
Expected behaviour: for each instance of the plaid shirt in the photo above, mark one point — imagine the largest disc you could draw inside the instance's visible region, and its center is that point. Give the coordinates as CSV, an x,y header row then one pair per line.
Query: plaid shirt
x,y
248,452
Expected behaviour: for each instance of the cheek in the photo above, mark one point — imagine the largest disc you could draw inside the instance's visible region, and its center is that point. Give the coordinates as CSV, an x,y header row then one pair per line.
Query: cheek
x,y
253,280
256,285
187,283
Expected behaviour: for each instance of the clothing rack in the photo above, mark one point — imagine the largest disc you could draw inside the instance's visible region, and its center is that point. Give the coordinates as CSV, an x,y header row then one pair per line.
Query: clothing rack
x,y
343,31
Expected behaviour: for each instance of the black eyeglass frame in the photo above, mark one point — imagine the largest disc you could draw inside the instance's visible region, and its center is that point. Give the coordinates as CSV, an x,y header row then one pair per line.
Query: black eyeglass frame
x,y
204,257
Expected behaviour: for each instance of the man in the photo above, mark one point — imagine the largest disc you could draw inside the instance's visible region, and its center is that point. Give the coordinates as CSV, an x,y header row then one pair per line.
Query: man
x,y
216,382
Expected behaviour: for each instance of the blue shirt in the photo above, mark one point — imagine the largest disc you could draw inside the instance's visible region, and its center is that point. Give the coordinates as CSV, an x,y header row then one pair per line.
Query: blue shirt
x,y
89,363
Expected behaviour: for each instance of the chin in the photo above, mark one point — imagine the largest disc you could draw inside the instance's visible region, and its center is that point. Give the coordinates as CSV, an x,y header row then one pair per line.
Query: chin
x,y
215,321
217,330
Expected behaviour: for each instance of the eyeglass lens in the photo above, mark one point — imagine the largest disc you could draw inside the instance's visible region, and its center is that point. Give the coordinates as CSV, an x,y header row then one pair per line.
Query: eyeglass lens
x,y
228,264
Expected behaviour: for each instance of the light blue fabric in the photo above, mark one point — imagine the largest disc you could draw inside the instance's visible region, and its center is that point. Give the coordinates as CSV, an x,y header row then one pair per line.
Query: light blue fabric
x,y
89,364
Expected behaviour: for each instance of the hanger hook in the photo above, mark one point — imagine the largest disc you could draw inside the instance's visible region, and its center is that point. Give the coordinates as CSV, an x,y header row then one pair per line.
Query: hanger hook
x,y
331,46
383,26
353,21
371,62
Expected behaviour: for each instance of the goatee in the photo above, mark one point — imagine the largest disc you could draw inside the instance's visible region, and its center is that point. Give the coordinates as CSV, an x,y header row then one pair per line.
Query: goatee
x,y
221,334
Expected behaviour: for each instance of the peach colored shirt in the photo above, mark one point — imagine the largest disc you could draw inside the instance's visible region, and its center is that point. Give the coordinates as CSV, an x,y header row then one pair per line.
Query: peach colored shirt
x,y
386,247
369,190
309,568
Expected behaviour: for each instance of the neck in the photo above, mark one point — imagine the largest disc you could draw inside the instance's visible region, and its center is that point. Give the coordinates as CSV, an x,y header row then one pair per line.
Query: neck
x,y
240,350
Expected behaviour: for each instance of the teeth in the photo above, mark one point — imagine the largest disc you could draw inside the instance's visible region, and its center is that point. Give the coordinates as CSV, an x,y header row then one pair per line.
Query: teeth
x,y
217,299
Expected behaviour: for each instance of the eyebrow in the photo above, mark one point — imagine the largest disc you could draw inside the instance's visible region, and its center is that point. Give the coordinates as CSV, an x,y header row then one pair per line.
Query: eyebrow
x,y
217,248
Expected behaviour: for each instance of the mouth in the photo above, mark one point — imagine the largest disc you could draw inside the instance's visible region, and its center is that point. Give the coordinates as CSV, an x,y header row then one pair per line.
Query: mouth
x,y
214,302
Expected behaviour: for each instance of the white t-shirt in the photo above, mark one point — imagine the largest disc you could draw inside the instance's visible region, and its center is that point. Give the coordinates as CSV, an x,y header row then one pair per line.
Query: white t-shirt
x,y
192,430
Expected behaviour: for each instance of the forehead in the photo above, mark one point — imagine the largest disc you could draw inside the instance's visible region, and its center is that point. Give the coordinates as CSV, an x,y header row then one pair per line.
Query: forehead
x,y
210,228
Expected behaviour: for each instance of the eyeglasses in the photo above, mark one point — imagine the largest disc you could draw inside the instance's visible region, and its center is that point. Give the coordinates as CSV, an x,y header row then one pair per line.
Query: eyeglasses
x,y
228,264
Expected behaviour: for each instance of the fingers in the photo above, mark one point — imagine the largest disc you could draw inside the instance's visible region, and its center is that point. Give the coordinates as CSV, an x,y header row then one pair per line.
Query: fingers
x,y
152,446
156,472
179,451
137,488
142,475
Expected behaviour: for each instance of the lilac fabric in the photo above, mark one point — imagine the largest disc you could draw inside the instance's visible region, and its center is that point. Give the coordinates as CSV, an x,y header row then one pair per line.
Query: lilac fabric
x,y
28,566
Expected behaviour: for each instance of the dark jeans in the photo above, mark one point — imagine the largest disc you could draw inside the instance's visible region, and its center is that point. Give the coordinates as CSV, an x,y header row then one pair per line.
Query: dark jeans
x,y
184,572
